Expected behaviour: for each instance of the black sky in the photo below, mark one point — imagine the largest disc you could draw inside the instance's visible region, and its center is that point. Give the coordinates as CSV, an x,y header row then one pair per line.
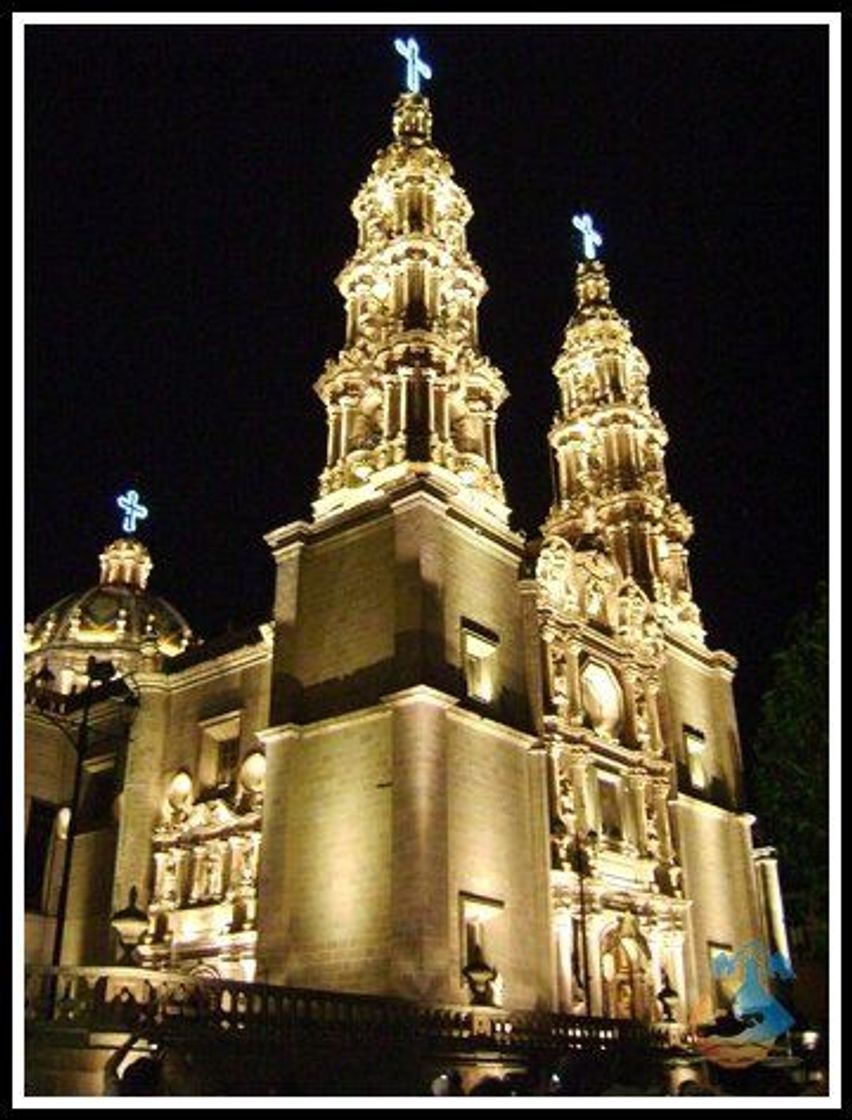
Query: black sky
x,y
187,209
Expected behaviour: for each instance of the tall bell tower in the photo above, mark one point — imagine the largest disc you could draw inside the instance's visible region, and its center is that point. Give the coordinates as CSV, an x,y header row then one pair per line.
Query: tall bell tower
x,y
411,393
407,838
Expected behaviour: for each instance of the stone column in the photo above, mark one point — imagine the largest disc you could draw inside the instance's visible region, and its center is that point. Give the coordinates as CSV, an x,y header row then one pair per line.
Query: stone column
x,y
579,769
404,379
563,926
143,791
430,402
638,784
490,442
553,780
661,803
419,887
651,691
197,871
236,860
333,444
655,971
594,929
386,409
561,473
273,894
440,409
160,860
628,677
572,667
769,892
182,862
678,976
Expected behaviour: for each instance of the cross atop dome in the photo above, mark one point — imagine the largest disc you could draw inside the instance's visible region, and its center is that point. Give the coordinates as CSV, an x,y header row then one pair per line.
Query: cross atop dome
x,y
133,510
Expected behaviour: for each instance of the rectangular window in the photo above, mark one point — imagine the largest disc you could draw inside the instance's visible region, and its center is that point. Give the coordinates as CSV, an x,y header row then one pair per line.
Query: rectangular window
x,y
609,799
479,661
37,850
219,757
695,747
97,797
722,986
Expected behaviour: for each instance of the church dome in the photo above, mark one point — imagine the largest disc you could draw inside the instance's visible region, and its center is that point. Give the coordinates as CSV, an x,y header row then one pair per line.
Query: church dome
x,y
119,618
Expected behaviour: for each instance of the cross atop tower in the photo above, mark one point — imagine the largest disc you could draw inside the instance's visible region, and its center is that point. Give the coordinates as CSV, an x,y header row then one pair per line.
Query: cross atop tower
x,y
133,511
416,68
591,237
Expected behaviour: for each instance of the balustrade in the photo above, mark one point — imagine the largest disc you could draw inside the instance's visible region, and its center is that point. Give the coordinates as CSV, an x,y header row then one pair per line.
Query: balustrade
x,y
117,998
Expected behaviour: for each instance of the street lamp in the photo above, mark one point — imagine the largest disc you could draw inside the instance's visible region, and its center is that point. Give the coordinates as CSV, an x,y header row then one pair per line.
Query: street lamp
x,y
581,865
42,696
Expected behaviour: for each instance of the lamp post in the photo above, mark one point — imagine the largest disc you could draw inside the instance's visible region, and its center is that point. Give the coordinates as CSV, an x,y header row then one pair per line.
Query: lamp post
x,y
580,864
41,695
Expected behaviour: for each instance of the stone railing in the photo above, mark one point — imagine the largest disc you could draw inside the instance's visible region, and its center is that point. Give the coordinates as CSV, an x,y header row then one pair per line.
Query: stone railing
x,y
140,1000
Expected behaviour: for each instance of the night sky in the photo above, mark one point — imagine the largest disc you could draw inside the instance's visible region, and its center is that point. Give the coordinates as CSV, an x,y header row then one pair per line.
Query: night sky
x,y
187,210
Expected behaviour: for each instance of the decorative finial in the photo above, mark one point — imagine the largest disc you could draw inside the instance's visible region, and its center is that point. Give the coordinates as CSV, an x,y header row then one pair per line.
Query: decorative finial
x,y
591,237
416,68
133,511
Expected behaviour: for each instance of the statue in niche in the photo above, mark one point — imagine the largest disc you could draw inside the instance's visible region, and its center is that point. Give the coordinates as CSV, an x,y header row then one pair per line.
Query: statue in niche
x,y
567,804
643,727
554,573
372,319
363,430
466,433
633,608
651,835
169,893
686,609
596,598
599,572
211,874
454,320
558,677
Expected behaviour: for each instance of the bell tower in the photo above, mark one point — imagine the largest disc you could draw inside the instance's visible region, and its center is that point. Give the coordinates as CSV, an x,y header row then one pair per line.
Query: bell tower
x,y
637,714
608,444
409,829
411,393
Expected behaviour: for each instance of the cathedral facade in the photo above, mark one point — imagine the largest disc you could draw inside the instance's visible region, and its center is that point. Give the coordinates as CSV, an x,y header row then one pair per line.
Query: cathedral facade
x,y
455,764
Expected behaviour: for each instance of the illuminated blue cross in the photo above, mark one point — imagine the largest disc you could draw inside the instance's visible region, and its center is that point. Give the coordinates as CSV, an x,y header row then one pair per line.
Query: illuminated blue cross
x,y
416,67
133,512
591,237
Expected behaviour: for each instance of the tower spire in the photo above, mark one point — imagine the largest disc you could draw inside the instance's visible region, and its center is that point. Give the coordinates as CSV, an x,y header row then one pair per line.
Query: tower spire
x,y
411,393
608,445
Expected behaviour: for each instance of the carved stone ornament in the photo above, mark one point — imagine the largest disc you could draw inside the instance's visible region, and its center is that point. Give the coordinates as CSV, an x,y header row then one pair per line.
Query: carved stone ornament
x,y
597,575
555,574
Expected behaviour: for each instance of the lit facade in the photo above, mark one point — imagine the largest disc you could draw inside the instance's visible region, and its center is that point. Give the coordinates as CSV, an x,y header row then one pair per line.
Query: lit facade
x,y
449,744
